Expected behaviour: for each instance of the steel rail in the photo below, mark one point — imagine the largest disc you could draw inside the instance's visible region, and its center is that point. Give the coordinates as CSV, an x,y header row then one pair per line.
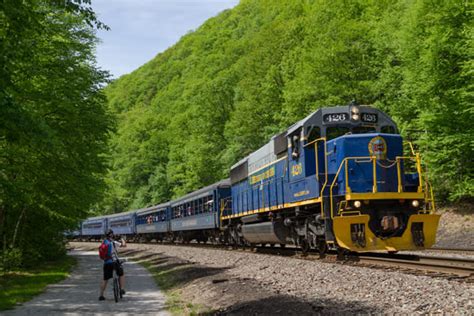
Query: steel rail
x,y
462,267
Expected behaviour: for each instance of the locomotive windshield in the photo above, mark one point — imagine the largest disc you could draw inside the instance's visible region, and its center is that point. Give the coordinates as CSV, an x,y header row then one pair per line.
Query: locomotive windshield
x,y
363,129
336,131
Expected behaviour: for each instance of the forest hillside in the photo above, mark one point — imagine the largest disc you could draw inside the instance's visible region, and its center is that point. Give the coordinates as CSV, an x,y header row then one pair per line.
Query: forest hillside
x,y
224,89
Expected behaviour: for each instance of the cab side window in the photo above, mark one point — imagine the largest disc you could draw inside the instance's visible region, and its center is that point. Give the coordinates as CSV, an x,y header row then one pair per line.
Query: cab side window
x,y
295,145
314,133
387,129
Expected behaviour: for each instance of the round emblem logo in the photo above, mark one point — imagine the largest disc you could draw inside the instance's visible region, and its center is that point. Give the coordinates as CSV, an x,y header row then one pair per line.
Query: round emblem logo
x,y
378,147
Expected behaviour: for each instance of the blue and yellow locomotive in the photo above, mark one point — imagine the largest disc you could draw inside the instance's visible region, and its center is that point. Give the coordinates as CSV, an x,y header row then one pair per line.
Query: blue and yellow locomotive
x,y
339,178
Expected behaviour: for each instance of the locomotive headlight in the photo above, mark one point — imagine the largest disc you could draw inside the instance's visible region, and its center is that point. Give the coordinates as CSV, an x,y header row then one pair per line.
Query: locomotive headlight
x,y
355,110
357,204
355,113
415,203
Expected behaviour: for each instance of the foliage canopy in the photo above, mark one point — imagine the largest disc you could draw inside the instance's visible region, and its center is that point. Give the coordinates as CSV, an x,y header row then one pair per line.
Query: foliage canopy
x,y
224,89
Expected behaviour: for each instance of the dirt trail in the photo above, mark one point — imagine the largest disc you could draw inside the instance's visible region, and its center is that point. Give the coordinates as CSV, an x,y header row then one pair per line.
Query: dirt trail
x,y
78,294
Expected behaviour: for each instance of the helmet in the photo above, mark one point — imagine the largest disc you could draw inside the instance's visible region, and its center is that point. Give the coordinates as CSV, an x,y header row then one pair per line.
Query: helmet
x,y
109,233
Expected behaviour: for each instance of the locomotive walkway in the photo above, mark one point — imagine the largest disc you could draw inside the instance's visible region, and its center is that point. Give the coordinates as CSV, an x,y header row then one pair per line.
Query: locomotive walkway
x,y
78,294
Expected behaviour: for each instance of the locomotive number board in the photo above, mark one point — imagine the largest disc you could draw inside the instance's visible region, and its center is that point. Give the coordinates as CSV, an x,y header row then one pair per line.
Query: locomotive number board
x,y
344,117
369,117
335,117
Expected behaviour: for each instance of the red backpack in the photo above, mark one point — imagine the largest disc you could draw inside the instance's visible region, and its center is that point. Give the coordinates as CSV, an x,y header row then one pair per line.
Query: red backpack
x,y
104,251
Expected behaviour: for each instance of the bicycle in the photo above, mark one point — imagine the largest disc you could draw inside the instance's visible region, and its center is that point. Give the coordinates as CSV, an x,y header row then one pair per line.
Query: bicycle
x,y
116,283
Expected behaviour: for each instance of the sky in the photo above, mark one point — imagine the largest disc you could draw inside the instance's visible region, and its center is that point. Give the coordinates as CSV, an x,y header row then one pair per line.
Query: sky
x,y
140,29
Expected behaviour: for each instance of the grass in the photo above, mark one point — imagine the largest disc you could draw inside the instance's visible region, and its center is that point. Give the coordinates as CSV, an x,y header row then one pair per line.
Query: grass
x,y
168,281
21,286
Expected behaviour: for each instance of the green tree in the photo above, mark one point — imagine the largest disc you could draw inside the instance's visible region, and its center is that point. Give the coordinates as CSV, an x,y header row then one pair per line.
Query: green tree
x,y
437,87
53,123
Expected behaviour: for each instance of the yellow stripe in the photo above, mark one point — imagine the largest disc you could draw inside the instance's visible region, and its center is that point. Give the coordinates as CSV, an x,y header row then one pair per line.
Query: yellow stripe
x,y
385,196
268,164
273,208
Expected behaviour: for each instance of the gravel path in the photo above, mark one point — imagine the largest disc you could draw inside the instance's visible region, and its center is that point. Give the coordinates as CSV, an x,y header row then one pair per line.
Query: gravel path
x,y
78,294
329,288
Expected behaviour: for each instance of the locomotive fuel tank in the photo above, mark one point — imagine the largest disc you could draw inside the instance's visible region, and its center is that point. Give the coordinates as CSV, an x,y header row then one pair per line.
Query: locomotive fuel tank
x,y
267,233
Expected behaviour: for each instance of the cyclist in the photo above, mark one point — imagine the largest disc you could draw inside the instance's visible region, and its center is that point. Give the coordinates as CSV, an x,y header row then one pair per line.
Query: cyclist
x,y
112,262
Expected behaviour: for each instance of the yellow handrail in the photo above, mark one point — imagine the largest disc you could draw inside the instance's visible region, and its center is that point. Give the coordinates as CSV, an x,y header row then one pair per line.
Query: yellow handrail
x,y
399,175
315,142
373,159
346,171
432,197
374,171
412,149
418,169
222,210
343,162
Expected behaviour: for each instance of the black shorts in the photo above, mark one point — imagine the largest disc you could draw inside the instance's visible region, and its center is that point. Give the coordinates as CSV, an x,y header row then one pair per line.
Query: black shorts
x,y
109,270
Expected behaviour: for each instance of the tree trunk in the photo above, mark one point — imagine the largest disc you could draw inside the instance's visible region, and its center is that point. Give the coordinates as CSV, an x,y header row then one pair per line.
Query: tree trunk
x,y
17,226
3,236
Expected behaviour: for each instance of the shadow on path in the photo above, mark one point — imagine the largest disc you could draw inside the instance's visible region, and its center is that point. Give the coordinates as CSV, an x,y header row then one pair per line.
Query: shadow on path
x,y
78,294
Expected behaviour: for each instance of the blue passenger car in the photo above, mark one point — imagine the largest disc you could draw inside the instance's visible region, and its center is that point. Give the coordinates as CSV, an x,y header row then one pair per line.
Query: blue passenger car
x,y
153,222
196,215
94,227
122,223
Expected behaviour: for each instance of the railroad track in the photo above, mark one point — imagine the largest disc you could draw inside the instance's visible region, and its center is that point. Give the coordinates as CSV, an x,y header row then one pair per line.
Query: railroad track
x,y
460,267
453,268
439,249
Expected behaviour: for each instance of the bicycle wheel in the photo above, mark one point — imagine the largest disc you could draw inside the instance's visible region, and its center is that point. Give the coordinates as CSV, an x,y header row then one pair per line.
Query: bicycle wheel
x,y
118,282
116,289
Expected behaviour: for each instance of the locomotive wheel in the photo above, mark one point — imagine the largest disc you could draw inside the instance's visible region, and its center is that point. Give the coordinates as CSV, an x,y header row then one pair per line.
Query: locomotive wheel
x,y
323,248
341,254
305,247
